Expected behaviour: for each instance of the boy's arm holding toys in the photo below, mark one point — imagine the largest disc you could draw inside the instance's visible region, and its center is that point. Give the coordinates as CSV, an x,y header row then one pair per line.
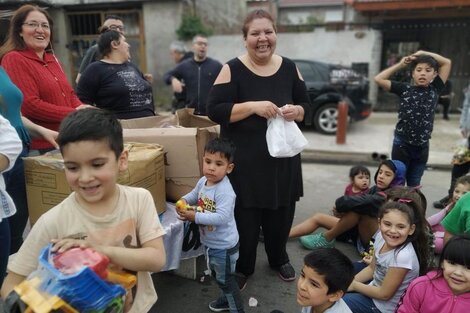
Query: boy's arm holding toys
x,y
150,257
383,78
185,211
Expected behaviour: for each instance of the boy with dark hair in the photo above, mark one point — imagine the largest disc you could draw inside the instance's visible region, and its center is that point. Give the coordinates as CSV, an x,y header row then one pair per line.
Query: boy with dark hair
x,y
118,221
417,107
214,213
324,279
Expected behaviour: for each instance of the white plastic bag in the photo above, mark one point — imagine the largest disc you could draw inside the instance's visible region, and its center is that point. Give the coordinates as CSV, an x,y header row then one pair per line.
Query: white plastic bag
x,y
284,138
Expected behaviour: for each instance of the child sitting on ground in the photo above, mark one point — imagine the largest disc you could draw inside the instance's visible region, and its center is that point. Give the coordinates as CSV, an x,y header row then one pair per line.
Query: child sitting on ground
x,y
400,255
323,281
446,289
462,186
118,221
352,211
416,196
458,219
359,181
215,201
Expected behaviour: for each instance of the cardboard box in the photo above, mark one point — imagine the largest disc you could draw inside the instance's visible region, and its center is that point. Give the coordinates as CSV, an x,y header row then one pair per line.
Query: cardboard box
x,y
183,138
46,185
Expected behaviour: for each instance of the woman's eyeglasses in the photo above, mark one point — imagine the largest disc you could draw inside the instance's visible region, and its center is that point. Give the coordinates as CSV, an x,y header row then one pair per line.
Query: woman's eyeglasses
x,y
36,25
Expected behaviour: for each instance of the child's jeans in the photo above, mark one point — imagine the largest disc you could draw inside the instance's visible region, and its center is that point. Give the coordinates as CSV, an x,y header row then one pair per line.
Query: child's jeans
x,y
414,157
358,303
16,187
222,264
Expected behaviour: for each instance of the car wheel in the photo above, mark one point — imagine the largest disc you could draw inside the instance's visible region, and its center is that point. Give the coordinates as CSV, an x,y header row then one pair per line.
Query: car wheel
x,y
325,119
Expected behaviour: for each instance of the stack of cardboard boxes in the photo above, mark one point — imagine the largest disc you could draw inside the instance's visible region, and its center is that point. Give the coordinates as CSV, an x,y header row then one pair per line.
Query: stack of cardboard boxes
x,y
183,138
165,157
46,185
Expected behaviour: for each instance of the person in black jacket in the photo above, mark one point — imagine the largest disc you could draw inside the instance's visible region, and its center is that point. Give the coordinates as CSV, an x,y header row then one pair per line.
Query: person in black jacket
x,y
179,53
196,75
355,217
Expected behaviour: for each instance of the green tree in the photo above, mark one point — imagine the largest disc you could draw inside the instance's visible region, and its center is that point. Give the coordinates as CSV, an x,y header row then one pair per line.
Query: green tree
x,y
192,25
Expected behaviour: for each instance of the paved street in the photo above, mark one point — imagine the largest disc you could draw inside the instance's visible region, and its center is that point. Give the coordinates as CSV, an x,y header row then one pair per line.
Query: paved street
x,y
322,184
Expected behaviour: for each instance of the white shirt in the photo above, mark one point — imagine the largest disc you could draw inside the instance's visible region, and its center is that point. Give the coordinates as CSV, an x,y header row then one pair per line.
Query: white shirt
x,y
10,147
339,307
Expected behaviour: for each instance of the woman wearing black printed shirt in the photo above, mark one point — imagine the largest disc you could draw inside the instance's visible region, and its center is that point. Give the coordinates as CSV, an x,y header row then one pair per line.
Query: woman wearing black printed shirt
x,y
114,83
249,90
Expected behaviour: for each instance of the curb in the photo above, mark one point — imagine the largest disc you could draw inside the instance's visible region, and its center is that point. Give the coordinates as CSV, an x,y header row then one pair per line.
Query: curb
x,y
352,158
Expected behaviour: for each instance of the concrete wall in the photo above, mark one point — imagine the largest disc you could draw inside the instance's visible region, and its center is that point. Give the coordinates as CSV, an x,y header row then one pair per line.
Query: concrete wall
x,y
160,21
59,44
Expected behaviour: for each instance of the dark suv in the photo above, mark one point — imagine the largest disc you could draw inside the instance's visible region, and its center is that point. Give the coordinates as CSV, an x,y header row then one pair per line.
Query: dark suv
x,y
326,85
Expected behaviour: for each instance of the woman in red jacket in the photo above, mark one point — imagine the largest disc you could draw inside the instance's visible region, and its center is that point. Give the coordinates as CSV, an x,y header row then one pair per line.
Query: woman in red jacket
x,y
28,59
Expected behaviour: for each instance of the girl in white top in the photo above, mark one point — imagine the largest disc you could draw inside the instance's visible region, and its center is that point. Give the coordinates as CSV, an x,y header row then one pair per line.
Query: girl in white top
x,y
400,252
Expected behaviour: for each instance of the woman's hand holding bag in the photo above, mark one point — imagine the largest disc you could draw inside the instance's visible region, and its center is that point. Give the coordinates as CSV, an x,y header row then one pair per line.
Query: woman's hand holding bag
x,y
284,138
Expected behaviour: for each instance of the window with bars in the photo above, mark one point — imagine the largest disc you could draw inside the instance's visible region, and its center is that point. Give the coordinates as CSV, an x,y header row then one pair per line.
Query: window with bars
x,y
84,33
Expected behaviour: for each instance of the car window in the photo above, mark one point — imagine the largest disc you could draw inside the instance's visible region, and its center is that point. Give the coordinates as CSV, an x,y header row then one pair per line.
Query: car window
x,y
322,71
306,71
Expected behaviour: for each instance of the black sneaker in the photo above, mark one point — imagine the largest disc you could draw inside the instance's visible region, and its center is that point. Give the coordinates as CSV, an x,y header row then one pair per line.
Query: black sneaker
x,y
219,305
287,272
241,280
440,204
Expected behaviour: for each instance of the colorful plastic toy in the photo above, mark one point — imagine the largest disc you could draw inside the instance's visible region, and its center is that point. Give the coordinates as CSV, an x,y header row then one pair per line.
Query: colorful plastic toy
x,y
74,281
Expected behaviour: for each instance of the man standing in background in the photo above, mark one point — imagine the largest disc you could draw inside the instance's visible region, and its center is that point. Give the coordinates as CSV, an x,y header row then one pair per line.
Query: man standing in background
x,y
197,75
179,53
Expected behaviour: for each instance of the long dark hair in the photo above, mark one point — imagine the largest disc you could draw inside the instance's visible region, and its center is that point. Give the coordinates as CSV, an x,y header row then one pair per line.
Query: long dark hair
x,y
419,239
14,41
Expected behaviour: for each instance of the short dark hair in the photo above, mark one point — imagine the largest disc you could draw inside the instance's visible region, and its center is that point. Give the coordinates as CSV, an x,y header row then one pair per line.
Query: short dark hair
x,y
426,59
358,169
224,146
105,40
457,250
336,267
94,125
103,28
112,17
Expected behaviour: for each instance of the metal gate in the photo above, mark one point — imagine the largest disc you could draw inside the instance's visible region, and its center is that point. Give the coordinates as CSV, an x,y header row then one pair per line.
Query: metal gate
x,y
84,33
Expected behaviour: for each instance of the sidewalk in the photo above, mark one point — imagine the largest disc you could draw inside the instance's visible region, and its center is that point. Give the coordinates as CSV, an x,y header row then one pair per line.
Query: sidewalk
x,y
375,135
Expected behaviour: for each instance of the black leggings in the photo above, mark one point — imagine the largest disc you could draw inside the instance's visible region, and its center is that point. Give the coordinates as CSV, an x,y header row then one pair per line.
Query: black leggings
x,y
276,225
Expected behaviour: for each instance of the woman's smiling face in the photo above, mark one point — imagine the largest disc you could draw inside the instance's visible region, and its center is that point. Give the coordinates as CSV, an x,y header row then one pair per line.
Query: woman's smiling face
x,y
36,31
261,39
